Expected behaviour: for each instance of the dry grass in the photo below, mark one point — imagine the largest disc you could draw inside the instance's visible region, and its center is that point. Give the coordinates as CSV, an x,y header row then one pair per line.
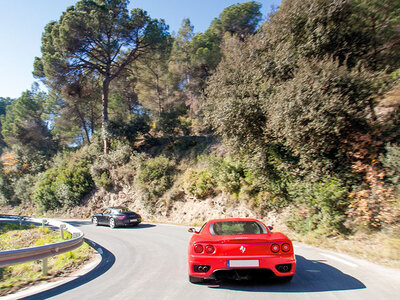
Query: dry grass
x,y
380,247
13,278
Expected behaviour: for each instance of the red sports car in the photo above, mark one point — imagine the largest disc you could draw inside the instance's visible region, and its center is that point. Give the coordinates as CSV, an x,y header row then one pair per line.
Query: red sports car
x,y
239,249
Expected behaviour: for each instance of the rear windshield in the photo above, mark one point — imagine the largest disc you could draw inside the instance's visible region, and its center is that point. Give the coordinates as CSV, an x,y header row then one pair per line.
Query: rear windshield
x,y
122,210
236,227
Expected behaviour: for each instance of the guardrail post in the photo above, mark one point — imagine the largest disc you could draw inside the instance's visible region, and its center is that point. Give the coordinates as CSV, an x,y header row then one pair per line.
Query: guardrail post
x,y
44,266
44,221
62,227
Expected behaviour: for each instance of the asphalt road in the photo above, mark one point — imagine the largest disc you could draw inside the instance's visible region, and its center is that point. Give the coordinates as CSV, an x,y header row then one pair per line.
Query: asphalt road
x,y
150,262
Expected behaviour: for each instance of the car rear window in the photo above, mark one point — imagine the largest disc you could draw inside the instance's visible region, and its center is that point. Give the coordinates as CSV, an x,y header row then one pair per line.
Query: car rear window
x,y
236,227
122,210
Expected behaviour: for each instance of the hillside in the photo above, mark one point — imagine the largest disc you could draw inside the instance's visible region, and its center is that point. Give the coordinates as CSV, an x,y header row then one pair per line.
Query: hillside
x,y
294,120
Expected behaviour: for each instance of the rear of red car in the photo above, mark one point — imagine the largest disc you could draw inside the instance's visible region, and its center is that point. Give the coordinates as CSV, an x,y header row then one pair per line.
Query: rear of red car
x,y
257,253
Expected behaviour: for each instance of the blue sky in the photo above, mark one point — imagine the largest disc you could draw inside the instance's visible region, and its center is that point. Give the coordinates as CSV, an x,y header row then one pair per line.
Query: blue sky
x,y
22,23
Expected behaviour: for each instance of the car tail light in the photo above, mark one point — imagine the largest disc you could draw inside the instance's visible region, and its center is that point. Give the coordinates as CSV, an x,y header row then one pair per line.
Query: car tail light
x,y
210,249
121,217
275,248
198,248
285,247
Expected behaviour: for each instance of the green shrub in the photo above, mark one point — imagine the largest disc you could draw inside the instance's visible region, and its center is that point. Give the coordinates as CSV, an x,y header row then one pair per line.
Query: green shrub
x,y
199,183
154,178
24,187
6,191
214,174
320,206
100,169
391,161
104,181
45,190
63,185
229,174
74,181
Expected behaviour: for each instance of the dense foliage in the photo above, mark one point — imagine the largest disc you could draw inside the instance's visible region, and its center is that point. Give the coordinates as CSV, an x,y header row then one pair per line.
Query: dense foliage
x,y
63,185
301,103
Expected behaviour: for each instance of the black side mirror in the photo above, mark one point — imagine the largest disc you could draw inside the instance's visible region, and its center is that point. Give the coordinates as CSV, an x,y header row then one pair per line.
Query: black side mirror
x,y
192,230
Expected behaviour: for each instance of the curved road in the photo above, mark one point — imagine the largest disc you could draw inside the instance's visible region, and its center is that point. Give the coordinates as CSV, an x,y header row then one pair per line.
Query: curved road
x,y
150,262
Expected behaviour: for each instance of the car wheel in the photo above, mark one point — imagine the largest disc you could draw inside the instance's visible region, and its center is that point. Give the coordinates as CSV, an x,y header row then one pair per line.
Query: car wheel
x,y
112,223
193,279
95,221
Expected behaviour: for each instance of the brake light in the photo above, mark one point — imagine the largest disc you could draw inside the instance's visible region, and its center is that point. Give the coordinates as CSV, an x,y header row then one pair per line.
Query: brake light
x,y
210,249
275,248
121,217
198,248
285,247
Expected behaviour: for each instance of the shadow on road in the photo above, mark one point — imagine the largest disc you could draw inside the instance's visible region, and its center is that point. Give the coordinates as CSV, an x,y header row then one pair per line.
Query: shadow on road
x,y
140,226
86,223
107,260
311,276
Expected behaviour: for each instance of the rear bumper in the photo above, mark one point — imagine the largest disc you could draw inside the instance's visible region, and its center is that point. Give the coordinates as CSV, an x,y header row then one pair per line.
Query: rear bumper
x,y
221,263
127,222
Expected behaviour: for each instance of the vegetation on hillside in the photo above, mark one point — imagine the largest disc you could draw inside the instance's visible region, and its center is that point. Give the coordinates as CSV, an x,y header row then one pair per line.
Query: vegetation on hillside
x,y
289,112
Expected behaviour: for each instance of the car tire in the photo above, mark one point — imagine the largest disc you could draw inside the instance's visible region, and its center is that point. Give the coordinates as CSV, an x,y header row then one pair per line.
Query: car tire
x,y
194,279
95,221
112,223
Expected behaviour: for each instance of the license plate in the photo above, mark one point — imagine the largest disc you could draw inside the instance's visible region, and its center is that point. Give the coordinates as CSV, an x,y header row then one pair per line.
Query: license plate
x,y
133,220
243,263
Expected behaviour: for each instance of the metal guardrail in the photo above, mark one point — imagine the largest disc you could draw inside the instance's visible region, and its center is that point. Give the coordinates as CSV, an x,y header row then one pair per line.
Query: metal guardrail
x,y
12,257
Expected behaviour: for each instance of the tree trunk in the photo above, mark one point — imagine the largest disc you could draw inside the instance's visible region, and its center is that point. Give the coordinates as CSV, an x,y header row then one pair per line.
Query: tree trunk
x,y
104,120
159,97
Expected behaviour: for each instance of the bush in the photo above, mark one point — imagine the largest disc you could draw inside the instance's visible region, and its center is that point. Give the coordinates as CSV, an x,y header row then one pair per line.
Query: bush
x,y
104,181
154,178
199,183
215,174
6,191
24,187
100,169
391,162
229,174
63,185
320,206
45,190
73,182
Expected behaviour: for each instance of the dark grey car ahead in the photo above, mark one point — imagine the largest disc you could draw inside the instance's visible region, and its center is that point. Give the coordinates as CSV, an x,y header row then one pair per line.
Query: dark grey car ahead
x,y
117,216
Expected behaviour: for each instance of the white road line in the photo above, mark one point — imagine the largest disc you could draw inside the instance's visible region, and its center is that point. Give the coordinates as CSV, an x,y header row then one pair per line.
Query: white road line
x,y
340,260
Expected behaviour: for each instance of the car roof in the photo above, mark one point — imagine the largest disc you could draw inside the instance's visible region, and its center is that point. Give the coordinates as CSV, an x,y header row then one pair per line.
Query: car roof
x,y
232,220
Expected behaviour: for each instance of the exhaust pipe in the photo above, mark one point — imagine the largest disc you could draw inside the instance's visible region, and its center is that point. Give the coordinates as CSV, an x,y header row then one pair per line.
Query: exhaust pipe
x,y
201,268
284,268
